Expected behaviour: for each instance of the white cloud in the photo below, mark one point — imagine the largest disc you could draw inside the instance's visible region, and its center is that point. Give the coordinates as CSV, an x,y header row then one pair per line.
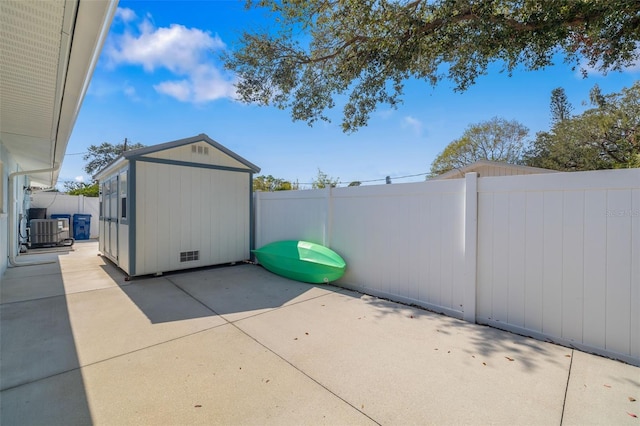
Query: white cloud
x,y
102,88
125,14
185,52
181,90
385,113
177,48
412,123
209,84
130,91
79,178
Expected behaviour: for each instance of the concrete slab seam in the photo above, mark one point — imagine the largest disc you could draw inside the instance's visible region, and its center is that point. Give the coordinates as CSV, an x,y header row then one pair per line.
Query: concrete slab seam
x,y
194,298
233,324
61,295
566,389
115,357
256,314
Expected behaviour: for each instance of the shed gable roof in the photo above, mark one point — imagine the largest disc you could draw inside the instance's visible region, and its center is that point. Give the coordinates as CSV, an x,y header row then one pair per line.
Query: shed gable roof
x,y
140,152
147,151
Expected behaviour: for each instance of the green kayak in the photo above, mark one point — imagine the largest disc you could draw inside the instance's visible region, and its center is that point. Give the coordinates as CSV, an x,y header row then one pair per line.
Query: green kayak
x,y
301,261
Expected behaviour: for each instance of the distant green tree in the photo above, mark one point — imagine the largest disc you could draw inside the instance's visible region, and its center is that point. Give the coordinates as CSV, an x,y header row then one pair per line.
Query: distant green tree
x,y
560,106
496,140
81,188
604,137
270,184
596,97
324,181
355,183
99,156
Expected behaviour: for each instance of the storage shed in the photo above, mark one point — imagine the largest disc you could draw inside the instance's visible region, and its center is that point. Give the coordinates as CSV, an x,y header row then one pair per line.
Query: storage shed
x,y
177,205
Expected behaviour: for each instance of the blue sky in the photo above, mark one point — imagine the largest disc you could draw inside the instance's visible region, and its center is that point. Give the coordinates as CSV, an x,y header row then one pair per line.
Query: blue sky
x,y
159,79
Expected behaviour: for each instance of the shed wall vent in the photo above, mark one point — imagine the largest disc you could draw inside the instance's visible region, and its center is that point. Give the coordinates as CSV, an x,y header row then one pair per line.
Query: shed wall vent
x,y
199,149
188,256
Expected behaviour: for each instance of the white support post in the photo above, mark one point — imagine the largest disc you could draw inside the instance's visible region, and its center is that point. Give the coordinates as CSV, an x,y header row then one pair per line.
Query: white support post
x,y
470,245
328,220
257,229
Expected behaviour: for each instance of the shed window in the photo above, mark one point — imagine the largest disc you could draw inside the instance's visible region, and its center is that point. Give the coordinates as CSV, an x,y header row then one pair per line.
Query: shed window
x,y
104,203
123,194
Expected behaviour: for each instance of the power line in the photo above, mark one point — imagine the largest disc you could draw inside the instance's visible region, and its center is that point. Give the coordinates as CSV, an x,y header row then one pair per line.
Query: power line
x,y
384,179
392,177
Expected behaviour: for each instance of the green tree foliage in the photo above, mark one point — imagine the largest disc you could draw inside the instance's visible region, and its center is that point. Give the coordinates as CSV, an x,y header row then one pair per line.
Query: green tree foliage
x,y
365,49
560,106
270,184
99,156
81,188
324,181
603,137
496,140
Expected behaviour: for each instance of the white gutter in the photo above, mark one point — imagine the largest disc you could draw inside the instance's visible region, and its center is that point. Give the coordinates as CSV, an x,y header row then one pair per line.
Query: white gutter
x,y
12,201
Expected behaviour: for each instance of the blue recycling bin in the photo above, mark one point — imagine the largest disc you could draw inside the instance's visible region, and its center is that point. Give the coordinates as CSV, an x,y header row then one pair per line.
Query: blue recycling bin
x,y
81,226
64,216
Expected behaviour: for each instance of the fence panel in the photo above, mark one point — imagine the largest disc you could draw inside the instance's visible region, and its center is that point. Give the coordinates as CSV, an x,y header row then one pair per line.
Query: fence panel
x,y
400,241
291,215
556,258
555,255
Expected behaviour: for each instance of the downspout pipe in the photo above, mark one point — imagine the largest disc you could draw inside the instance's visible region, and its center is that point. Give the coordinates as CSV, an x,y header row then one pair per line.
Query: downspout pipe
x,y
12,208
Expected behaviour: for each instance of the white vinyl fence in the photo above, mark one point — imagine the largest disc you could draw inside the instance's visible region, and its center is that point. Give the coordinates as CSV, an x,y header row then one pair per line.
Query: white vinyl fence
x,y
553,256
57,203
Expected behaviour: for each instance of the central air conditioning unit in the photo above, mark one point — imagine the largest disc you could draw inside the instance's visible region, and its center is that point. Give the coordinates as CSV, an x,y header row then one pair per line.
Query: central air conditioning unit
x,y
49,232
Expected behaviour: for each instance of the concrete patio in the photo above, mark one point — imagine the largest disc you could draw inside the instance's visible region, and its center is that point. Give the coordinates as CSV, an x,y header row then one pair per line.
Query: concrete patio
x,y
239,345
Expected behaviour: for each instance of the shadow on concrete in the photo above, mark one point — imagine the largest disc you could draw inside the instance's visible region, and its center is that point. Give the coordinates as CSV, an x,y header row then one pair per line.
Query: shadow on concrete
x,y
485,341
243,290
37,346
157,298
232,291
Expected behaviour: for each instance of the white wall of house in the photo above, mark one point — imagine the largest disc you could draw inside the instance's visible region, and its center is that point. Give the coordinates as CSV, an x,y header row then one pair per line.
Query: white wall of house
x,y
11,197
5,166
554,256
57,203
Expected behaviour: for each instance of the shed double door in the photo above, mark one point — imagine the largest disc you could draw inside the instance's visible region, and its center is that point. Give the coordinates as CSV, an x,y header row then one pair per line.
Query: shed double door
x,y
109,225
